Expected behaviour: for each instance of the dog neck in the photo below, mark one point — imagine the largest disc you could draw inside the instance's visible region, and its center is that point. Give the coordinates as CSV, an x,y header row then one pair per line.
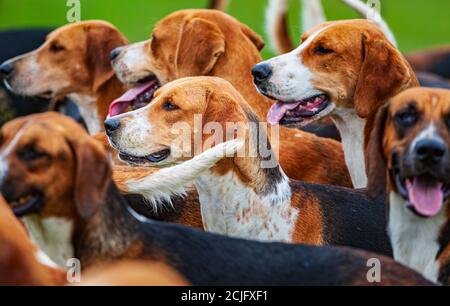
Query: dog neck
x,y
106,236
94,106
417,242
53,236
241,198
109,234
351,128
88,110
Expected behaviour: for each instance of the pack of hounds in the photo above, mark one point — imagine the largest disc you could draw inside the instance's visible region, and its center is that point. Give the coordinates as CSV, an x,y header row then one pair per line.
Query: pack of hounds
x,y
120,195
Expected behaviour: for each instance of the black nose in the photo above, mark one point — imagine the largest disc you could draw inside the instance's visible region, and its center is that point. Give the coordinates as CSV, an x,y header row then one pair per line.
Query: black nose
x,y
261,73
111,125
115,53
6,69
430,150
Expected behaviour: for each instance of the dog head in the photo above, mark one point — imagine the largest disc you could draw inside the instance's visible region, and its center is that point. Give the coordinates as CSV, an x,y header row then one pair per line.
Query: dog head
x,y
412,140
185,43
345,64
74,59
49,166
168,129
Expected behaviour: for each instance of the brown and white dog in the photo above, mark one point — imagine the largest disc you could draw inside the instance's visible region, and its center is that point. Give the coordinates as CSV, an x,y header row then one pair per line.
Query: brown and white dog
x,y
74,62
53,173
211,43
343,69
412,140
21,262
246,196
67,173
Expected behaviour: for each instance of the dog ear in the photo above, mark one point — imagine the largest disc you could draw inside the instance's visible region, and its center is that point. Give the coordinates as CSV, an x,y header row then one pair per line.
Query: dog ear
x,y
376,162
101,40
92,176
256,39
384,73
200,45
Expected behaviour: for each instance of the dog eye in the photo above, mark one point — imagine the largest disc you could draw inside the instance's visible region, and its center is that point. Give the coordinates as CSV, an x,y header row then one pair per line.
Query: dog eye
x,y
56,47
407,118
321,50
31,154
169,106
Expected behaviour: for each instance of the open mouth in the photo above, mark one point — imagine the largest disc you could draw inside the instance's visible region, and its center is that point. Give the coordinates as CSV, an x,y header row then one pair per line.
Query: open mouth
x,y
425,194
298,112
135,98
28,204
154,158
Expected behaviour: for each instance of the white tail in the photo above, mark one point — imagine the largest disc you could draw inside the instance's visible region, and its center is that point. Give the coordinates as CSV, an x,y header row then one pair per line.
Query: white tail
x,y
276,26
161,185
374,15
312,14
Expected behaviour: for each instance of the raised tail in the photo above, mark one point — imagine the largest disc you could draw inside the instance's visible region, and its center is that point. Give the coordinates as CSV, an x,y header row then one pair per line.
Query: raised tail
x,y
277,26
220,5
370,13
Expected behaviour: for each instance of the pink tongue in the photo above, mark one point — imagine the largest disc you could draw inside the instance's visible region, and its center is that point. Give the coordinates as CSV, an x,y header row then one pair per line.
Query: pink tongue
x,y
426,198
278,110
119,105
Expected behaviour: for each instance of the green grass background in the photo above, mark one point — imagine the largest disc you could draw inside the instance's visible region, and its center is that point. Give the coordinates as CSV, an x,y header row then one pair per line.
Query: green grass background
x,y
417,24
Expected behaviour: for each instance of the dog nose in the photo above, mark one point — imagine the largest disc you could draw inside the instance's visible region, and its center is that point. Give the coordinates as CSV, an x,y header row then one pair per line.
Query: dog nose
x,y
111,125
115,53
429,150
6,69
261,73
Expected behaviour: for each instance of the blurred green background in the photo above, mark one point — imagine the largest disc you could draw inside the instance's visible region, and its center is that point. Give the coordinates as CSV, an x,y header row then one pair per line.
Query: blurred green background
x,y
417,24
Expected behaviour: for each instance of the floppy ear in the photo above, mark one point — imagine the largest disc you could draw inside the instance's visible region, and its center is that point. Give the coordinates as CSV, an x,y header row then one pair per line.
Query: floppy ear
x,y
100,42
200,45
376,163
254,38
384,73
92,176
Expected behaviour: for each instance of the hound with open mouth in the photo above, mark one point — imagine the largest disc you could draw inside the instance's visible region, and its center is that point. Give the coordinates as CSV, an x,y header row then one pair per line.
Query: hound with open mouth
x,y
412,140
343,69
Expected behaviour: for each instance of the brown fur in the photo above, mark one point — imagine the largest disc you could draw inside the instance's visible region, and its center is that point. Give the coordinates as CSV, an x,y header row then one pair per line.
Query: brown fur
x,y
18,263
433,105
233,64
75,59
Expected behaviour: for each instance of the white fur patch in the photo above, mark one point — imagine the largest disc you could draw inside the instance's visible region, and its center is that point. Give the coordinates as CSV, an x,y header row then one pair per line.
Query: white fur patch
x,y
133,136
274,12
133,64
351,128
4,166
312,14
42,258
88,110
429,133
53,236
233,209
414,239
